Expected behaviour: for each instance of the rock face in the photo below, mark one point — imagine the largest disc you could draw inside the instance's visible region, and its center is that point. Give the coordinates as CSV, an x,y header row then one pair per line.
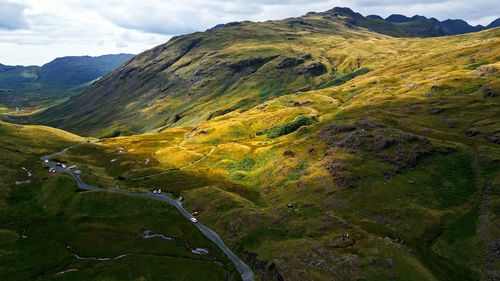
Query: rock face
x,y
268,270
485,70
387,145
314,69
289,62
250,63
489,92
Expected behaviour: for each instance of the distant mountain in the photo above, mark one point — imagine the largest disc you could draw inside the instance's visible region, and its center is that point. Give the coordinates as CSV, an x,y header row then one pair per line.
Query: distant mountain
x,y
442,28
74,71
400,27
61,74
396,18
28,85
493,24
417,26
375,17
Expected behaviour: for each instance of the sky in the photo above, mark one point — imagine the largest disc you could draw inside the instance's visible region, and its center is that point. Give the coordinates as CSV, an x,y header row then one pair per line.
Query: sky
x,y
34,32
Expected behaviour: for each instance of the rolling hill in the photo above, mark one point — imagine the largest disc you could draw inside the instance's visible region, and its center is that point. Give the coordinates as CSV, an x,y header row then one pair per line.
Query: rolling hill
x,y
368,157
199,76
326,147
61,232
34,86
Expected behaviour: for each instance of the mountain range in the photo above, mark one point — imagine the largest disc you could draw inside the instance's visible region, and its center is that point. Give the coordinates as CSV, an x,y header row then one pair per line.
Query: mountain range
x,y
203,75
330,146
446,27
22,86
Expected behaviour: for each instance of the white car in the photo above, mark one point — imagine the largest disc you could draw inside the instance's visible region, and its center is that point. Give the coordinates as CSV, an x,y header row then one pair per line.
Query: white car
x,y
77,172
46,161
63,166
194,220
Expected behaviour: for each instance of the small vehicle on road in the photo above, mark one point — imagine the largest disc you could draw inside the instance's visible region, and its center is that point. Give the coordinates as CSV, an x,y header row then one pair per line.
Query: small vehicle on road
x,y
63,166
194,220
77,172
46,161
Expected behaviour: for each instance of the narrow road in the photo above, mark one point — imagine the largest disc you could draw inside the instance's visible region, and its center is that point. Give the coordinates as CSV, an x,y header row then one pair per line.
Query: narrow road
x,y
244,270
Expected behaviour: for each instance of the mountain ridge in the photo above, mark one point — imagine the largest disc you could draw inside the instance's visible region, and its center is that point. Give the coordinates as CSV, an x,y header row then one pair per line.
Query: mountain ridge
x,y
35,86
203,75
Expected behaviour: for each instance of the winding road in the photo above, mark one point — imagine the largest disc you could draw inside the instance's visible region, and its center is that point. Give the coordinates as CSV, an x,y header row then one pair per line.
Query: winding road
x,y
244,270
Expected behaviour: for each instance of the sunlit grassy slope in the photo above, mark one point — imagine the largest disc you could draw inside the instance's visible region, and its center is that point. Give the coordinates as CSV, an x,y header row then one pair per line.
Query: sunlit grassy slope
x,y
404,158
45,220
197,77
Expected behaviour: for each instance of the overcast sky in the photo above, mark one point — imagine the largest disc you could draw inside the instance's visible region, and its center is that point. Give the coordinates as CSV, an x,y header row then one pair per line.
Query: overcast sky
x,y
33,32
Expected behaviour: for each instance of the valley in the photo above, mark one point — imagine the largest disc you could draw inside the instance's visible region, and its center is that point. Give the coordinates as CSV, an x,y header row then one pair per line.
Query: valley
x,y
25,90
51,230
330,146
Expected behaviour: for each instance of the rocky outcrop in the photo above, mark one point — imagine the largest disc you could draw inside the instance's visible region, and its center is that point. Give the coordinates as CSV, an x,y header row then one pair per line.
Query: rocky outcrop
x,y
254,63
314,69
485,70
268,270
406,149
489,92
289,62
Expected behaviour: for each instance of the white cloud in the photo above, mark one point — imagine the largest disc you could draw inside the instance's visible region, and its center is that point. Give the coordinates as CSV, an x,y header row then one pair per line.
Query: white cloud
x,y
37,31
12,16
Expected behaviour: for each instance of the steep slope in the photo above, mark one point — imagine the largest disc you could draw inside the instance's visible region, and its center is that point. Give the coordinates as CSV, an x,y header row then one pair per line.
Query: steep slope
x,y
404,158
39,86
199,76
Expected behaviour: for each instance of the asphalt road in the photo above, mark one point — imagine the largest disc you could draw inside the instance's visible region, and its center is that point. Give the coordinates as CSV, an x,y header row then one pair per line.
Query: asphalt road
x,y
244,270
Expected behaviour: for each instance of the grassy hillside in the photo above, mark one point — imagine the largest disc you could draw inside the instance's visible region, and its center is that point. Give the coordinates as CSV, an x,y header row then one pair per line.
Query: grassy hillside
x,y
197,77
35,87
46,223
400,151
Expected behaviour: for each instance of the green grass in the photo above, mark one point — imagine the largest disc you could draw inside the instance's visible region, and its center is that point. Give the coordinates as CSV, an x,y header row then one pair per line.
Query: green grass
x,y
343,79
376,160
53,213
99,224
475,65
287,128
